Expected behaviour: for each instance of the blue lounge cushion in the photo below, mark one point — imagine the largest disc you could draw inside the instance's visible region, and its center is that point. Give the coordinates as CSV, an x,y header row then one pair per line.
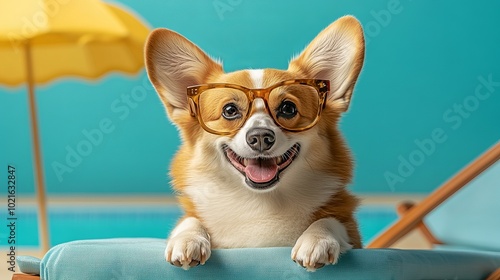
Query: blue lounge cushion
x,y
140,258
28,264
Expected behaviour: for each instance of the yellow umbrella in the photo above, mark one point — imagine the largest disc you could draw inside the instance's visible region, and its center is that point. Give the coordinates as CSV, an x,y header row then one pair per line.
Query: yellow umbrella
x,y
41,40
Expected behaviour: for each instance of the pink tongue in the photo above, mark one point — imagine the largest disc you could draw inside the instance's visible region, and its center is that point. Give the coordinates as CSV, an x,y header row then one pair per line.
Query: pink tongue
x,y
261,170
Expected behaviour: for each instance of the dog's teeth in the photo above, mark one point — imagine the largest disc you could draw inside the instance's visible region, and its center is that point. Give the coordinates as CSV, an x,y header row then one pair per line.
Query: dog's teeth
x,y
245,162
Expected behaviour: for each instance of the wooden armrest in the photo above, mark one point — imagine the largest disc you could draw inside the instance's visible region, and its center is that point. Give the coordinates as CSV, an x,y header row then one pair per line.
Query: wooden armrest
x,y
18,276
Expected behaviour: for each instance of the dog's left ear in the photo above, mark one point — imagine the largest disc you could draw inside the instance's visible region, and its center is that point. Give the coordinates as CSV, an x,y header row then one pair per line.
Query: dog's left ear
x,y
336,54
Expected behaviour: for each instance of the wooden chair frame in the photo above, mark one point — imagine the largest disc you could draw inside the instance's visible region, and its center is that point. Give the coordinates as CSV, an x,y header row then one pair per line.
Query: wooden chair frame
x,y
412,215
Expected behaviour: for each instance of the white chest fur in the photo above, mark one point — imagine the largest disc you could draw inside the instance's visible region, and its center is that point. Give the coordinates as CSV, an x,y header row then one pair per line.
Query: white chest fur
x,y
237,217
253,225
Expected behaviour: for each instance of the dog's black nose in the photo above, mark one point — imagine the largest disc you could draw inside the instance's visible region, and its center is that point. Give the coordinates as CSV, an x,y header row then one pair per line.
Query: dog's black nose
x,y
260,139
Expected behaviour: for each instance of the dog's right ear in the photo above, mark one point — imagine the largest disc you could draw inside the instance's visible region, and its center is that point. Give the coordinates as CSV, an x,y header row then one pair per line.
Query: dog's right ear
x,y
174,63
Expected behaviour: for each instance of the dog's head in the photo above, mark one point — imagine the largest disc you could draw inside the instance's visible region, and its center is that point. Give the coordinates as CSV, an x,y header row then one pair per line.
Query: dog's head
x,y
259,123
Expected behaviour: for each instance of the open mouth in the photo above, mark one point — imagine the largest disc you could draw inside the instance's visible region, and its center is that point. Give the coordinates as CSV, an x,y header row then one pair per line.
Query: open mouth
x,y
262,172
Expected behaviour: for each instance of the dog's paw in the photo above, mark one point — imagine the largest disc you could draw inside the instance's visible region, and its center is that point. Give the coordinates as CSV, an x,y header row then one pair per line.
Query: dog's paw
x,y
314,251
187,250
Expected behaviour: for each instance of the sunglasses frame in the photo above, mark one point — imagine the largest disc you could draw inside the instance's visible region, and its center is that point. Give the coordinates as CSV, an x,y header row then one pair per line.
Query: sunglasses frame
x,y
193,92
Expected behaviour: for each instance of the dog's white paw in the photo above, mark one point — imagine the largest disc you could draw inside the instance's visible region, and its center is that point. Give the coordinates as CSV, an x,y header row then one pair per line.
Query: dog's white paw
x,y
313,252
318,246
187,249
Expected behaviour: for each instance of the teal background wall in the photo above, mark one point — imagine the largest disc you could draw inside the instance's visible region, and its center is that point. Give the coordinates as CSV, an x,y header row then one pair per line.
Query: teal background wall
x,y
422,109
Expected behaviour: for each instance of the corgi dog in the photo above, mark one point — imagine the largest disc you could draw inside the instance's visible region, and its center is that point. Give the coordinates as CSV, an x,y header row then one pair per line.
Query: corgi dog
x,y
262,162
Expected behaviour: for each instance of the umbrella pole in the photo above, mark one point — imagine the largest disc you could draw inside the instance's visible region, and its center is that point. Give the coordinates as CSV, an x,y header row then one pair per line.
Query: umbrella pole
x,y
40,185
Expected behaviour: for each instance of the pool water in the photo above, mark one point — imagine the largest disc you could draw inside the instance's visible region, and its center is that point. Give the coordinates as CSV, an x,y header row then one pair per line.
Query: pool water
x,y
74,223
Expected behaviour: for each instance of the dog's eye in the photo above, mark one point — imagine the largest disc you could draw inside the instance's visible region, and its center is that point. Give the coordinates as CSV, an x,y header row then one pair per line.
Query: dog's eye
x,y
231,112
287,110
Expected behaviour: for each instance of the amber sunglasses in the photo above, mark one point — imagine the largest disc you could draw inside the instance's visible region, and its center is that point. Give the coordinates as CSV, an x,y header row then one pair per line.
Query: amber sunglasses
x,y
222,109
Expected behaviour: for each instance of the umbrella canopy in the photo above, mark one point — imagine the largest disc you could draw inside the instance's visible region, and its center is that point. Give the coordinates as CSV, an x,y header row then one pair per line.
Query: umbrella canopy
x,y
41,40
83,38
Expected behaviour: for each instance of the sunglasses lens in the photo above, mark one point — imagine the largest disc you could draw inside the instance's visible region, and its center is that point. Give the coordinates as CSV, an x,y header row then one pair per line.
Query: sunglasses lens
x,y
294,107
223,110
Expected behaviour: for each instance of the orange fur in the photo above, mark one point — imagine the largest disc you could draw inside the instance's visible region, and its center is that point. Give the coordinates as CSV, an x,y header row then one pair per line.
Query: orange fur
x,y
336,161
